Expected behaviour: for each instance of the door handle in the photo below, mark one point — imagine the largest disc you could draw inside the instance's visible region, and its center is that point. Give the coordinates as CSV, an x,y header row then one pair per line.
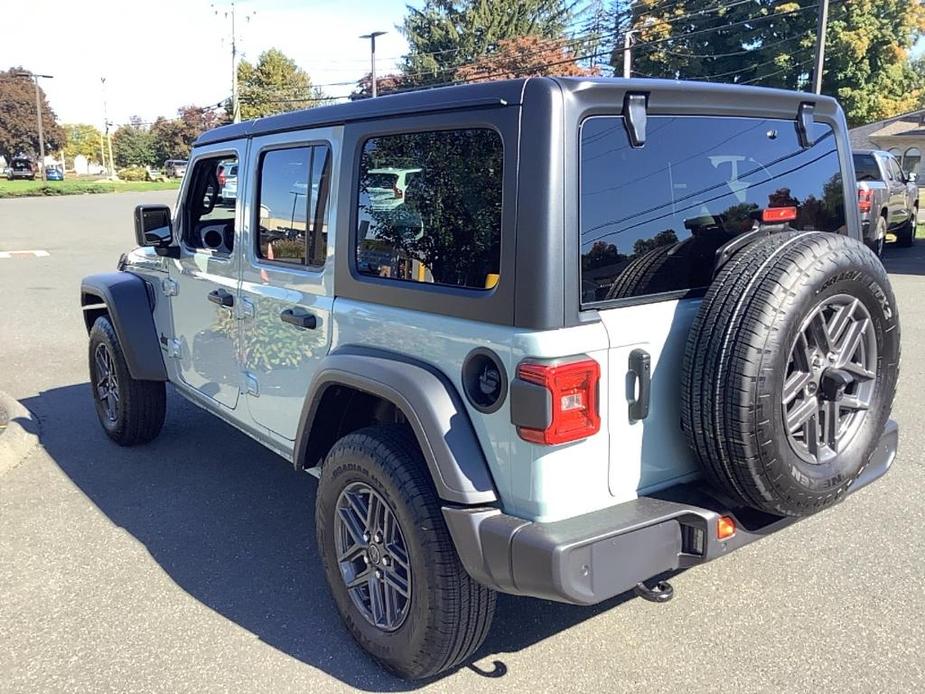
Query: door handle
x,y
222,297
300,318
640,366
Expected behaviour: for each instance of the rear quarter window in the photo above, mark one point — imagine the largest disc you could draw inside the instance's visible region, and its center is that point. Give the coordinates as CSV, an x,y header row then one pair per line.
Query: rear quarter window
x,y
653,218
429,208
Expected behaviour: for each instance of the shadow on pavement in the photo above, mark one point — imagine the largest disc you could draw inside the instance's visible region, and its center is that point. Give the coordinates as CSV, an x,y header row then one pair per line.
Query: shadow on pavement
x,y
232,524
905,261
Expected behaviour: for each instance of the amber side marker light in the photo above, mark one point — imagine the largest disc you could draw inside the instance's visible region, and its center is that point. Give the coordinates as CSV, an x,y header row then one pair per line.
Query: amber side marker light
x,y
725,528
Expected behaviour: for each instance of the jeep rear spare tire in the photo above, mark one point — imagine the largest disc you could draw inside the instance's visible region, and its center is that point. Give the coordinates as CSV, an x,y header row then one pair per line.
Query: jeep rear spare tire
x,y
790,370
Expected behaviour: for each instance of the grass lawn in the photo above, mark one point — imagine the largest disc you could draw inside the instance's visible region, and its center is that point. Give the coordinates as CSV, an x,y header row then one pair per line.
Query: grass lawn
x,y
920,231
16,189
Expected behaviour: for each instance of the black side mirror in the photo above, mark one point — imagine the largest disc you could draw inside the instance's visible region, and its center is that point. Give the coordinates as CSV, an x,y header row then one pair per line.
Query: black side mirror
x,y
152,226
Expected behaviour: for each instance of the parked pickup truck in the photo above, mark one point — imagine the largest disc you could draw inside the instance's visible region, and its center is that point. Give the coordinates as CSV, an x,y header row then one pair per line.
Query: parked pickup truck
x,y
888,198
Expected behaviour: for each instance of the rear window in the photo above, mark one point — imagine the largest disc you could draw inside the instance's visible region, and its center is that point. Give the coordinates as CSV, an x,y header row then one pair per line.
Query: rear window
x,y
381,180
865,167
444,225
653,218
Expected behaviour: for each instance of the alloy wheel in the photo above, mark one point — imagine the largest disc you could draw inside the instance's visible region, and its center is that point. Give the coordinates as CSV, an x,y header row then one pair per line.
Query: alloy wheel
x,y
831,378
372,556
107,383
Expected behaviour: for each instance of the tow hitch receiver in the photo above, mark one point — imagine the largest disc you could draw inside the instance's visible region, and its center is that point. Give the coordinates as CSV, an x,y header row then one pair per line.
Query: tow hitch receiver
x,y
660,592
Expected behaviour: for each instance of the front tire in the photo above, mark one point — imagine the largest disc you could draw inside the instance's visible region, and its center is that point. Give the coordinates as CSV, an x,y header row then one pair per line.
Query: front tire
x,y
130,411
389,560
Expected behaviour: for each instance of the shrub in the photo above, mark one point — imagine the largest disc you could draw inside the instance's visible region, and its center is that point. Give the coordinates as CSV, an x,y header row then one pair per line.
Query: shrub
x,y
133,173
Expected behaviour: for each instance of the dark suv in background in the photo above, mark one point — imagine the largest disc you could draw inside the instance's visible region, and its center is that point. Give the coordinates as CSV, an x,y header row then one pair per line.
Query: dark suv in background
x,y
21,167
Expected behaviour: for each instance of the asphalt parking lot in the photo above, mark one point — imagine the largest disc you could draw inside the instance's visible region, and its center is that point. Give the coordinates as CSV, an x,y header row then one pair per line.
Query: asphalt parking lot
x,y
190,565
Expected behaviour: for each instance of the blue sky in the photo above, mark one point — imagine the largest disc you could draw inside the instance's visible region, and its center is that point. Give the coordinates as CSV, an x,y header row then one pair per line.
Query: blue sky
x,y
160,55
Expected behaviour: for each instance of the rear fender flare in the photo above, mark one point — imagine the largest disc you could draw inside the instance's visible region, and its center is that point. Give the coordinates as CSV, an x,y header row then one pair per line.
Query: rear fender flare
x,y
432,407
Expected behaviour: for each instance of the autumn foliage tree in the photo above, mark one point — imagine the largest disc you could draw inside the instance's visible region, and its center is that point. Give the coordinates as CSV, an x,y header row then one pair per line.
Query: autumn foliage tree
x,y
771,43
18,127
525,56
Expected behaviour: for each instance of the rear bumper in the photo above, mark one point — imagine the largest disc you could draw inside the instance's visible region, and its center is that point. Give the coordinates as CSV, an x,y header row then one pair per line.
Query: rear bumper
x,y
590,558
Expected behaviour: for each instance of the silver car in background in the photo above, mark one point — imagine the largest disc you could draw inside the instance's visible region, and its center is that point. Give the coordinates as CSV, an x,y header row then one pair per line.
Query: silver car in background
x,y
888,198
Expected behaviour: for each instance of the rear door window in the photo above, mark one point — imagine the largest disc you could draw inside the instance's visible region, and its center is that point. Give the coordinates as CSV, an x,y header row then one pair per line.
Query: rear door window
x,y
292,205
653,218
865,167
430,208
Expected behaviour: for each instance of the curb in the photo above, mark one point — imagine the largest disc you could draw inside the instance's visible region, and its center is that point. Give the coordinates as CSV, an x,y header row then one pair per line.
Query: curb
x,y
19,437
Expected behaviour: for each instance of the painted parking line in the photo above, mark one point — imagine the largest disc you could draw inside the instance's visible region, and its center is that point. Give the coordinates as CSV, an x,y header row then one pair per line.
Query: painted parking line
x,y
17,254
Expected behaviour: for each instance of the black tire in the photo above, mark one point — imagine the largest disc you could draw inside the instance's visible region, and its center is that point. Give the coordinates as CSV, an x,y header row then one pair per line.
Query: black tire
x,y
876,243
736,365
140,407
448,614
637,277
905,237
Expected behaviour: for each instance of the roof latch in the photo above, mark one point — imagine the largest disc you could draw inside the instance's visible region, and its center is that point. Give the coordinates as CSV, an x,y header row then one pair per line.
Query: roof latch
x,y
634,115
805,120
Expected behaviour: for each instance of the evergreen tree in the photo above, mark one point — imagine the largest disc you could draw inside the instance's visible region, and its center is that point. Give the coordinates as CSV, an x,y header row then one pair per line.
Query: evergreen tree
x,y
444,35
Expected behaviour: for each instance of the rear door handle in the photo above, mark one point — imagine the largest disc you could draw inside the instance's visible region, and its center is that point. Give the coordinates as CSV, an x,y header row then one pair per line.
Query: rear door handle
x,y
640,365
300,318
222,297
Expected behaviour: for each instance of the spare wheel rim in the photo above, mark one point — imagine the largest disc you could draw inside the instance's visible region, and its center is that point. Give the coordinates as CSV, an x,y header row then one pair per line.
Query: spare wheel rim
x,y
831,378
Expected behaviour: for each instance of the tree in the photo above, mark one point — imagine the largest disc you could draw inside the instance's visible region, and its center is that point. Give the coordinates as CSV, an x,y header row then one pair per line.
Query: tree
x,y
273,85
133,145
385,84
444,35
18,126
173,138
524,56
867,47
82,138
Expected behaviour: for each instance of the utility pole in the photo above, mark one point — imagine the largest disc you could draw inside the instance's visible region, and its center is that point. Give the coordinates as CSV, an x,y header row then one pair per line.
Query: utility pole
x,y
372,57
821,27
235,96
106,124
38,113
628,54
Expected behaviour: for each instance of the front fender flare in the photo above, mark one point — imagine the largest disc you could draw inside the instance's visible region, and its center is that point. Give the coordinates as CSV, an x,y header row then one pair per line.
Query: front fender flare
x,y
430,404
130,309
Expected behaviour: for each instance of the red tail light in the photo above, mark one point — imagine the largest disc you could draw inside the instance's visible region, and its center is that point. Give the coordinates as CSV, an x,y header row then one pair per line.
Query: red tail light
x,y
865,200
778,214
221,178
397,193
572,388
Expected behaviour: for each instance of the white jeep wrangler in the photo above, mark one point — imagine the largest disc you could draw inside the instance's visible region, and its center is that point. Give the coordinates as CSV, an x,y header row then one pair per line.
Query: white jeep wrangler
x,y
607,330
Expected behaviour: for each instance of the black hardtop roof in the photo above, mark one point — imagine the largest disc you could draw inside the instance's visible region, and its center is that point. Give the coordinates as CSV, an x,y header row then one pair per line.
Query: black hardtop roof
x,y
490,94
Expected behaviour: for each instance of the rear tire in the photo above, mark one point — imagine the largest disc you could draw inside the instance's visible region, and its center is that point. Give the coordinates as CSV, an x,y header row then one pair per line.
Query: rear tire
x,y
755,416
130,411
447,614
905,238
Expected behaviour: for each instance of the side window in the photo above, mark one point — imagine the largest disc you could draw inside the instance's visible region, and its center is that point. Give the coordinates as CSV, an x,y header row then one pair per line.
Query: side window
x,y
430,207
209,207
895,171
292,205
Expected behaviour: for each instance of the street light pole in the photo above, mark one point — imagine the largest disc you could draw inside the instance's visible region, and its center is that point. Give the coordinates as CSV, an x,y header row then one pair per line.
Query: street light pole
x,y
38,114
627,54
820,45
112,166
372,57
